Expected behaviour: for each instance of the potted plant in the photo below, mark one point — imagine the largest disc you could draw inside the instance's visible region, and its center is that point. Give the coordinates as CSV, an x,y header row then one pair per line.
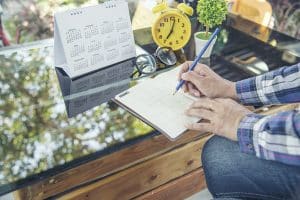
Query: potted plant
x,y
210,13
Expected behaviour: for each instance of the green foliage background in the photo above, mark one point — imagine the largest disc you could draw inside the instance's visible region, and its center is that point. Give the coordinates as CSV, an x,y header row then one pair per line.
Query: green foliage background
x,y
35,132
32,20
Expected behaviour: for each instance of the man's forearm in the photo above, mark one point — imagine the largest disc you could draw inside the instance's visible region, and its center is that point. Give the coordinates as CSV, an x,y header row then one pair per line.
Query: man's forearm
x,y
275,87
275,137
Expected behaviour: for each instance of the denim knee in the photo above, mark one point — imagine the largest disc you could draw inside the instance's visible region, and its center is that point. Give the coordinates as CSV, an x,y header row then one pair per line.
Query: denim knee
x,y
230,173
208,162
217,160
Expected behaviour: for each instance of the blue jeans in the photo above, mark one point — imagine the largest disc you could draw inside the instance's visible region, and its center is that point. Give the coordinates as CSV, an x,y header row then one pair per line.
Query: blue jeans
x,y
232,174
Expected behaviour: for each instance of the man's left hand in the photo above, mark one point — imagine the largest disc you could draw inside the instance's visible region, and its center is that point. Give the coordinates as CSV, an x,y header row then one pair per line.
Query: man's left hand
x,y
223,116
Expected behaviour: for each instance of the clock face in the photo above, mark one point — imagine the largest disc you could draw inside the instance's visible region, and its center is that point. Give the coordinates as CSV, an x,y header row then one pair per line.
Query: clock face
x,y
172,29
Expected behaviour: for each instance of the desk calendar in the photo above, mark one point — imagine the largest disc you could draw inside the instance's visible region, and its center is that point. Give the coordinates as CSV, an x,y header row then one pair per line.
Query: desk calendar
x,y
91,38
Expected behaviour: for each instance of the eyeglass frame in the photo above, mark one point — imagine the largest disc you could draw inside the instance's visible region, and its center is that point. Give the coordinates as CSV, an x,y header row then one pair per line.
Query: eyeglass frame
x,y
154,58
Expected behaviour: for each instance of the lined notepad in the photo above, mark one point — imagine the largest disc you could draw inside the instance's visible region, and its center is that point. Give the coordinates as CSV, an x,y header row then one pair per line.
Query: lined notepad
x,y
152,101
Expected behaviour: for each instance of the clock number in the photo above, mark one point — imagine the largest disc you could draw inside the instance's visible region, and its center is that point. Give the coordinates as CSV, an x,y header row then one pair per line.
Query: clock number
x,y
162,24
178,20
182,25
158,30
181,37
166,20
165,41
184,31
170,43
160,37
177,42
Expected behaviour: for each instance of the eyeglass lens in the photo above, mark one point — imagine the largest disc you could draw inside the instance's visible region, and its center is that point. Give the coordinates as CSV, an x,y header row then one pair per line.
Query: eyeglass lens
x,y
146,64
167,56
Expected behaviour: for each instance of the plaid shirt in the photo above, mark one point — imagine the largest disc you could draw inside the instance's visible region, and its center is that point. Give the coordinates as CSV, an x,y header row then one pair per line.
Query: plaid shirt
x,y
275,137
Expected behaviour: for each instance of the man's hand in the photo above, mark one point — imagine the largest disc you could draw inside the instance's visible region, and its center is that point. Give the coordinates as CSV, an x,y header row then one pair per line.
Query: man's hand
x,y
205,82
223,116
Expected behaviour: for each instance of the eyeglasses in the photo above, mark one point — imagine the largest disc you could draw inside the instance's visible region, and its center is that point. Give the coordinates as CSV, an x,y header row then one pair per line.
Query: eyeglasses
x,y
147,64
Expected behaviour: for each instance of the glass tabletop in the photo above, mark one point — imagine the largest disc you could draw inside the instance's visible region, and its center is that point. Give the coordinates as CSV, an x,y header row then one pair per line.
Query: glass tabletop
x,y
41,133
36,132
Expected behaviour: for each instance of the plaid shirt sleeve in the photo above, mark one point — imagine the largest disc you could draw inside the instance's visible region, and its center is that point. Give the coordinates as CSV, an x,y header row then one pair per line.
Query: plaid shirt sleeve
x,y
275,137
275,87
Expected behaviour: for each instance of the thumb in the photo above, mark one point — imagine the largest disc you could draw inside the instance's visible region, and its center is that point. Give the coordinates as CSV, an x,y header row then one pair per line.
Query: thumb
x,y
192,77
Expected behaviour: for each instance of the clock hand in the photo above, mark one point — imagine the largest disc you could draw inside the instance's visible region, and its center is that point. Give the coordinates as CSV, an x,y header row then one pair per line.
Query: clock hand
x,y
172,30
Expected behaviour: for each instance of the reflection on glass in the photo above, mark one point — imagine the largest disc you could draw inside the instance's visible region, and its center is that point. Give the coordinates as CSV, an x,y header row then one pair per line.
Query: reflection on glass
x,y
282,16
251,63
258,11
93,89
36,133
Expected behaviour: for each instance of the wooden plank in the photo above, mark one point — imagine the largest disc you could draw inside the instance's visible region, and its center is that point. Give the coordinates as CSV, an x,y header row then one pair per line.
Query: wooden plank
x,y
180,188
104,166
141,178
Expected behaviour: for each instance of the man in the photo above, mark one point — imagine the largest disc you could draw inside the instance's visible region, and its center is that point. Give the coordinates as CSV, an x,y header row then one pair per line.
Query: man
x,y
253,156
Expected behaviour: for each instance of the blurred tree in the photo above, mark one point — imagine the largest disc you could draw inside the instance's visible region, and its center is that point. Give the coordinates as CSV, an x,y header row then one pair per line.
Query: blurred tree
x,y
287,16
3,39
35,133
33,19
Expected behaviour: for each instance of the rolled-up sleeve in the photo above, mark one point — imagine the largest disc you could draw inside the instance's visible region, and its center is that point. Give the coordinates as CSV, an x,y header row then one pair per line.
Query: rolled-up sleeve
x,y
275,87
245,132
275,137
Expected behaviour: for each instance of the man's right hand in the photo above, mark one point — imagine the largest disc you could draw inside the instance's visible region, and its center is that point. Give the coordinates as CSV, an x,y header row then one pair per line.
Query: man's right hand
x,y
205,82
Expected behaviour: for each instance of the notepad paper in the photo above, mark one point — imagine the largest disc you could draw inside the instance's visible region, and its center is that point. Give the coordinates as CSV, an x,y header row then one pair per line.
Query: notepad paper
x,y
152,100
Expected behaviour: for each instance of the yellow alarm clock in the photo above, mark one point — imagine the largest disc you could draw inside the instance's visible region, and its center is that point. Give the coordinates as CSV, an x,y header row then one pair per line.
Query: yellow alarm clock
x,y
173,27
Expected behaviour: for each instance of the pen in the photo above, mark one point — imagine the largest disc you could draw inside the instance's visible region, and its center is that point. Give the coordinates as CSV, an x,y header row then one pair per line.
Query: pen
x,y
194,64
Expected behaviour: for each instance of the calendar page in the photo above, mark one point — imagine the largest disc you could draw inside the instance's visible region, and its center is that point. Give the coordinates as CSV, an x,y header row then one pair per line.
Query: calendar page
x,y
91,38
